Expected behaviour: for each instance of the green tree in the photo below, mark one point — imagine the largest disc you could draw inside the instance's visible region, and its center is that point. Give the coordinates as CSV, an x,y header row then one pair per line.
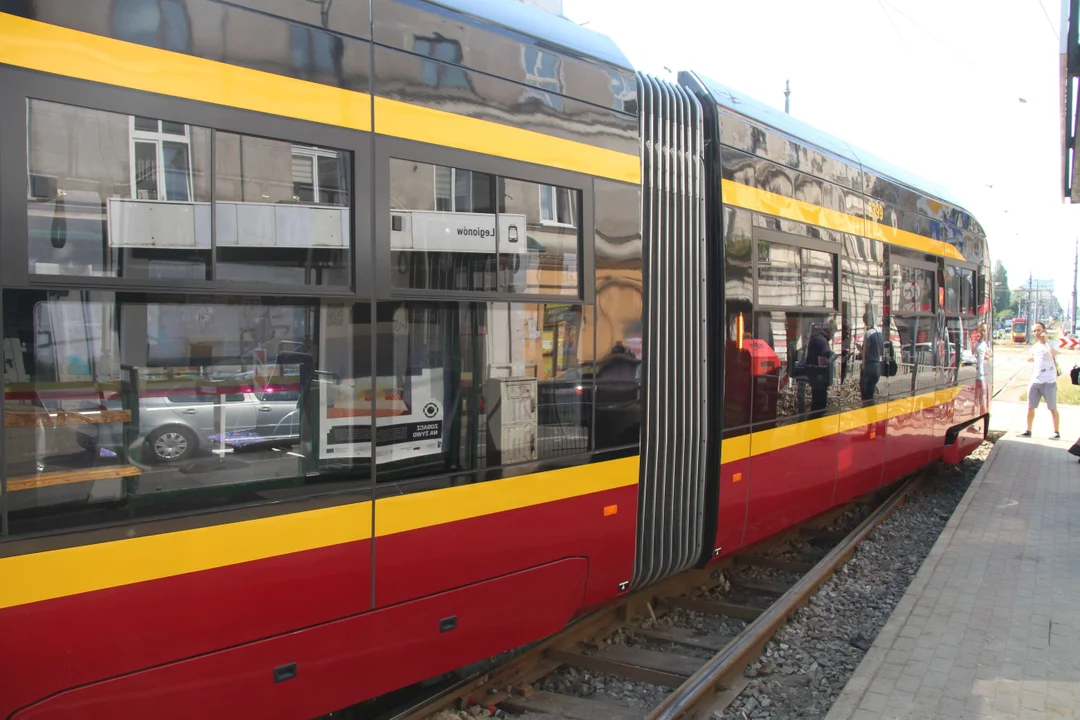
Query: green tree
x,y
1002,294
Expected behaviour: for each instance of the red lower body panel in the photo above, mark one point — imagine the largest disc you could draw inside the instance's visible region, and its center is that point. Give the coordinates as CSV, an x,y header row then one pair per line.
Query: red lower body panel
x,y
439,557
338,662
789,485
860,455
905,446
58,644
731,521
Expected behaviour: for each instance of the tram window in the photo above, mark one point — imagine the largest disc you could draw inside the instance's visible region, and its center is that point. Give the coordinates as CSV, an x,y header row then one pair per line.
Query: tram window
x,y
618,314
123,410
795,365
967,291
863,301
540,252
281,211
464,386
457,229
442,231
790,276
744,359
917,357
114,195
738,245
778,276
951,284
818,278
912,289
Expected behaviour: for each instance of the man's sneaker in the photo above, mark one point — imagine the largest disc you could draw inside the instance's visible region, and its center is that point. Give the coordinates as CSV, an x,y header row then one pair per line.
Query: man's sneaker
x,y
1056,436
1026,433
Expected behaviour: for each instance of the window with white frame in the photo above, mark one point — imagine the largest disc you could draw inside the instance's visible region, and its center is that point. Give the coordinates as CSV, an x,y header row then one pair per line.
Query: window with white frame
x,y
463,191
318,176
557,206
160,160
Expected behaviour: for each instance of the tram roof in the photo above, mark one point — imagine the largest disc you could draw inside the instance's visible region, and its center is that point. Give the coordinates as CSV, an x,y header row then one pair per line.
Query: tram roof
x,y
757,111
528,21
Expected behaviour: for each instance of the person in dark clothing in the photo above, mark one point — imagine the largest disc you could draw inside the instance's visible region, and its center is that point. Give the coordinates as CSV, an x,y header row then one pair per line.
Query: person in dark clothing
x,y
873,351
818,360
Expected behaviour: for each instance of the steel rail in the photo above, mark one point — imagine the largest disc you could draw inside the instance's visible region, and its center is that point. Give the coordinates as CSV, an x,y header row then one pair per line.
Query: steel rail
x,y
701,687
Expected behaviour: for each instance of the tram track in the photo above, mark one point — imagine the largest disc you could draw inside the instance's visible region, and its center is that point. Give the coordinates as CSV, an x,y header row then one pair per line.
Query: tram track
x,y
705,667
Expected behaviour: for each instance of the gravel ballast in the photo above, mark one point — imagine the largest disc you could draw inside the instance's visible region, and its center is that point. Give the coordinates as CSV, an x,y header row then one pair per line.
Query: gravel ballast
x,y
810,659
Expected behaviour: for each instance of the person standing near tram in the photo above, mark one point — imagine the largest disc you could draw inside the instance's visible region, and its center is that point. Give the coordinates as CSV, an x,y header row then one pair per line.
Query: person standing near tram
x,y
1043,379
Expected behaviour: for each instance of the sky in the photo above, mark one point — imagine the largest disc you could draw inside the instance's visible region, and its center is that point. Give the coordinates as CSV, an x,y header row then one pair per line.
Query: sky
x,y
962,92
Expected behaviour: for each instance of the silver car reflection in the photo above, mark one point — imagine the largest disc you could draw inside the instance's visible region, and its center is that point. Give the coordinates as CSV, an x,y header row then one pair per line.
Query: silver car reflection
x,y
175,428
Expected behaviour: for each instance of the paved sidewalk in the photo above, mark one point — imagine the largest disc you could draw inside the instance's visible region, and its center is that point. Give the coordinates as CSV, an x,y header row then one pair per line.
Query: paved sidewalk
x,y
990,627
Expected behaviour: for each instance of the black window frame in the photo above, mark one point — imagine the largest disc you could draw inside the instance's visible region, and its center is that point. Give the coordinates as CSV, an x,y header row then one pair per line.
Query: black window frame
x,y
18,87
387,149
799,242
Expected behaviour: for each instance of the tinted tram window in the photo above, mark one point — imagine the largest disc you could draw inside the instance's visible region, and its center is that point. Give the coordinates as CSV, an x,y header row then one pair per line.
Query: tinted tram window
x,y
951,286
543,259
617,330
818,279
119,410
967,291
912,289
738,248
795,363
122,196
464,386
116,195
864,337
281,211
457,229
790,276
778,274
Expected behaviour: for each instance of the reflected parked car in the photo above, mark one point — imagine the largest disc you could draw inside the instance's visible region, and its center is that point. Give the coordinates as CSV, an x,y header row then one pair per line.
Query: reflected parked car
x,y
175,427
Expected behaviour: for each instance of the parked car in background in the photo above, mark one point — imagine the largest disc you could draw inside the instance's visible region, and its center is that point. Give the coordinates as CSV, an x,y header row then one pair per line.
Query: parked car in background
x,y
174,428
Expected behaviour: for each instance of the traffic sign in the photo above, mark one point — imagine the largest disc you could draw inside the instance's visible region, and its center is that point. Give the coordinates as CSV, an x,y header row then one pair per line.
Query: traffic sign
x,y
1070,342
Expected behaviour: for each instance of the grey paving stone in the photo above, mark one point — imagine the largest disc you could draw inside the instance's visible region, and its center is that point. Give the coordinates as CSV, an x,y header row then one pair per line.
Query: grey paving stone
x,y
990,628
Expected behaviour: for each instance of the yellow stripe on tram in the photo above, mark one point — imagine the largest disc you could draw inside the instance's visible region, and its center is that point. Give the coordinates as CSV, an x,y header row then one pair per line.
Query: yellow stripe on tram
x,y
85,568
765,441
71,53
770,203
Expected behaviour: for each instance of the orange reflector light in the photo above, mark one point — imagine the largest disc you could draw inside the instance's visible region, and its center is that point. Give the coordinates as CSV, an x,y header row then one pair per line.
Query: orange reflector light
x,y
736,477
873,434
610,510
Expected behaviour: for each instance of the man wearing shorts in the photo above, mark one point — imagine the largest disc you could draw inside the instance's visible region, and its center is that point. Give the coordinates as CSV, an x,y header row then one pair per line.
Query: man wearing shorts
x,y
1043,379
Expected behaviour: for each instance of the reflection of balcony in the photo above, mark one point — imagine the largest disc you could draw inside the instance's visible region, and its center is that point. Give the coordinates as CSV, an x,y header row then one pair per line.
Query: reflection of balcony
x,y
158,224
180,225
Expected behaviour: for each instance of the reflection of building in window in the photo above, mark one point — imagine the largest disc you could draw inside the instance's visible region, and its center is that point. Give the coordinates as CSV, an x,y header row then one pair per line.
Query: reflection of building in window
x,y
557,206
157,23
543,70
458,190
314,50
318,176
161,167
624,88
440,74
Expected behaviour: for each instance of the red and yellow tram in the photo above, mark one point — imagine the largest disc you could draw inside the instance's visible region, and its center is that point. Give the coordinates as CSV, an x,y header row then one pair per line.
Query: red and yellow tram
x,y
347,345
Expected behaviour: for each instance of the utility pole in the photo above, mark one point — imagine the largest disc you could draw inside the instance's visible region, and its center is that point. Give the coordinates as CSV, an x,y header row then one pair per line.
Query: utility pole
x,y
1076,266
1031,312
787,96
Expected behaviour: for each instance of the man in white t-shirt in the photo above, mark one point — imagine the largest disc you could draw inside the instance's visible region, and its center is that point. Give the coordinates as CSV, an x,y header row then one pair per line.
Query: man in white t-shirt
x,y
1043,379
982,347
